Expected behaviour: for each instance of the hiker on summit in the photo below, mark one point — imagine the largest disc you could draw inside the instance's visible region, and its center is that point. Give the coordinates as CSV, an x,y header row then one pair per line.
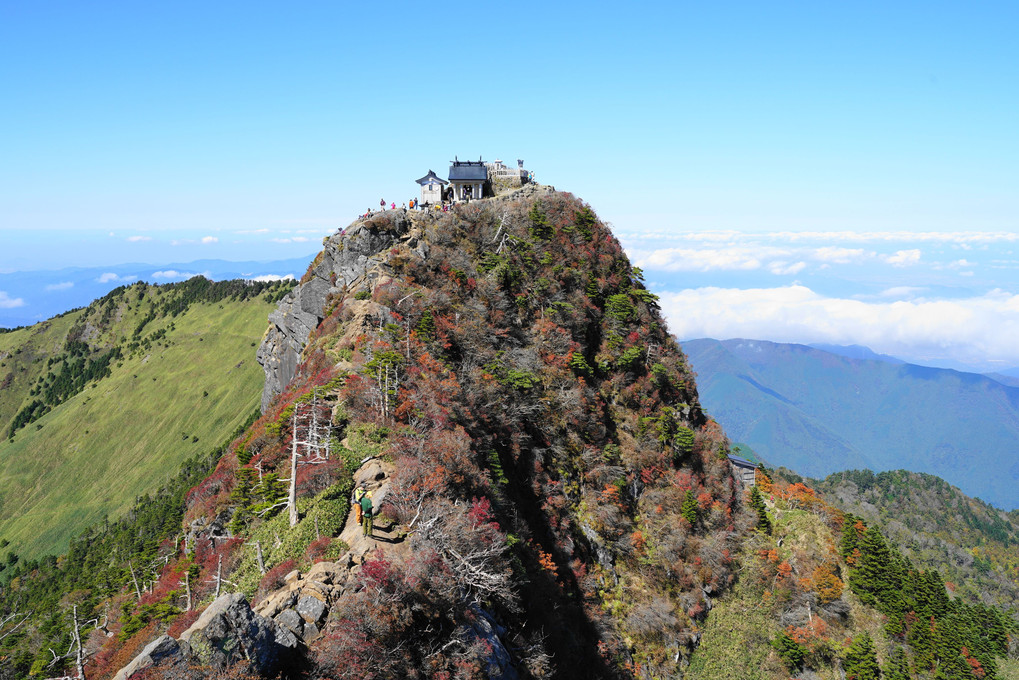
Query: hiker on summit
x,y
367,521
359,493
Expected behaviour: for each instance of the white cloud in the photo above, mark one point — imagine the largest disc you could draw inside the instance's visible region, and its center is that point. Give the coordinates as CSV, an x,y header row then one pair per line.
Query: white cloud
x,y
903,258
136,239
7,302
838,255
700,260
251,231
173,274
273,277
63,285
210,239
110,276
300,239
899,292
957,237
780,268
962,239
976,329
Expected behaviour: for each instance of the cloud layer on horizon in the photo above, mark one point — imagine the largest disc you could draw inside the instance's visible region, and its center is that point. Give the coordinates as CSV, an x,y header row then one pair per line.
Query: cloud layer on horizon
x,y
978,330
937,297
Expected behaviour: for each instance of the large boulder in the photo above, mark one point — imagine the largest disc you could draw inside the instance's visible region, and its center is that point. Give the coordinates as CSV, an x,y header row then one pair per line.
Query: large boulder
x,y
158,651
228,632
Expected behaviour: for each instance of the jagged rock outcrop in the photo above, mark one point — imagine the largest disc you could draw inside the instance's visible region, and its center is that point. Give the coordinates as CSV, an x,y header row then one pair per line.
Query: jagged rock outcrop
x,y
302,605
227,632
345,261
157,652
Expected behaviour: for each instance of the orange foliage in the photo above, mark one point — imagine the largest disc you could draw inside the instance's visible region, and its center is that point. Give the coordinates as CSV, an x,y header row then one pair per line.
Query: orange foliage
x,y
546,561
637,538
826,584
815,631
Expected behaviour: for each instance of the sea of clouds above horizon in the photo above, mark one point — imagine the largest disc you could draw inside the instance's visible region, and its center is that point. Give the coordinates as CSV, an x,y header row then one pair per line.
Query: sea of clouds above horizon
x,y
931,297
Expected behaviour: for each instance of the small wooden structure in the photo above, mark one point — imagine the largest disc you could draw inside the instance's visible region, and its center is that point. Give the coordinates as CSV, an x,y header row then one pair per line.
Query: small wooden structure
x,y
468,179
743,470
431,188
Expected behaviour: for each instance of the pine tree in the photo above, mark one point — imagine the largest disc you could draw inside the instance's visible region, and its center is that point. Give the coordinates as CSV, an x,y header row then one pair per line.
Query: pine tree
x,y
860,660
541,228
689,508
897,667
791,652
757,503
851,530
921,639
426,326
877,577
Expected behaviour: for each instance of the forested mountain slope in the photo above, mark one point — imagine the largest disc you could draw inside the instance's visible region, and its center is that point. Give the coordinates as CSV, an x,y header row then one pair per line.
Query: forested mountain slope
x,y
974,545
823,594
101,404
818,413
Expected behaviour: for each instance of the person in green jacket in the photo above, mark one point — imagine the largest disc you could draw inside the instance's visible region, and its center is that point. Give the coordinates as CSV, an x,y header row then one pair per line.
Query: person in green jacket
x,y
367,520
359,493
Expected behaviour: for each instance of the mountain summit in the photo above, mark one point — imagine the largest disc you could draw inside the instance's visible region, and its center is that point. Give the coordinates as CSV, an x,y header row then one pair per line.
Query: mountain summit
x,y
513,366
538,495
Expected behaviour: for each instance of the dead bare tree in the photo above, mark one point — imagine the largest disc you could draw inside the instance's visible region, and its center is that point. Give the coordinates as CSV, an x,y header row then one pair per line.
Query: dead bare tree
x,y
76,648
310,442
473,550
12,617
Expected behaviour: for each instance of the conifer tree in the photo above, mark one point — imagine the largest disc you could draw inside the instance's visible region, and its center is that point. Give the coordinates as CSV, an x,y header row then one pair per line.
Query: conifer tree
x,y
850,535
791,652
861,660
689,508
921,639
877,579
757,503
897,667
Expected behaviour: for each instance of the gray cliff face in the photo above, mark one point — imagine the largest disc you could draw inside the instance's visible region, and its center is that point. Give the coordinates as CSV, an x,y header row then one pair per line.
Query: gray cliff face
x,y
349,259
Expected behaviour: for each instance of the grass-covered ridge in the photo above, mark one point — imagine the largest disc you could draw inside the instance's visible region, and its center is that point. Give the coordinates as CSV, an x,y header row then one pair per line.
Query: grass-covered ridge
x,y
179,373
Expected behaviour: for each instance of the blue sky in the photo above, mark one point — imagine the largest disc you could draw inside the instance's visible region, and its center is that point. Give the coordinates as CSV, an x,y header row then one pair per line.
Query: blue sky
x,y
247,131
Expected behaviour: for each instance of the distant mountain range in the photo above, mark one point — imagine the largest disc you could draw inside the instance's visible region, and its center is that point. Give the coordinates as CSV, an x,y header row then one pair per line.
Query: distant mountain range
x,y
819,412
33,296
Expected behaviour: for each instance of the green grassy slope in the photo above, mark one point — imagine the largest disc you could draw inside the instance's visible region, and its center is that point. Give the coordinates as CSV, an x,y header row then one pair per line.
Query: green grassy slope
x,y
165,400
23,356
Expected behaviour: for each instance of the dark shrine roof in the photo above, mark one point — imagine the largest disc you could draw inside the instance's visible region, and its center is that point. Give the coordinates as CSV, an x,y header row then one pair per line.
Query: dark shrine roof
x,y
468,170
431,178
741,462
